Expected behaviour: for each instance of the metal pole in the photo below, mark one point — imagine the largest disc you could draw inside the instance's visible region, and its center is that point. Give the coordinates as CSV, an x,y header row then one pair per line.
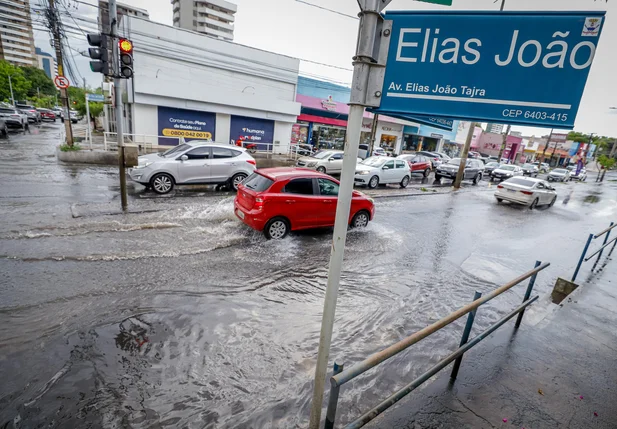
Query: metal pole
x,y
503,3
11,87
371,145
546,147
38,92
64,96
461,167
504,142
367,32
333,400
580,262
602,250
89,131
113,32
470,318
532,280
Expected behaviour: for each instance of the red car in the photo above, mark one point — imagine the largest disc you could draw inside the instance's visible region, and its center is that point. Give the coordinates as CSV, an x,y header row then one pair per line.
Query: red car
x,y
47,115
418,163
279,200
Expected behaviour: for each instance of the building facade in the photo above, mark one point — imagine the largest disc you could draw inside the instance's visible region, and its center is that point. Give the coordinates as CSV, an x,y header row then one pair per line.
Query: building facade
x,y
122,9
214,18
47,63
208,89
16,36
492,127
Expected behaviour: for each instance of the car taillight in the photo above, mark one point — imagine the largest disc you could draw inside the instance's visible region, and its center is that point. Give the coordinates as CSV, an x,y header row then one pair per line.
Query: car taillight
x,y
527,192
251,161
259,203
500,186
436,159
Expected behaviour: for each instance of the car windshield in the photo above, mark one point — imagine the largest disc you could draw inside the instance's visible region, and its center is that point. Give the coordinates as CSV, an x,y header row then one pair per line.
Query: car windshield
x,y
560,171
507,167
322,154
521,182
257,182
7,110
374,161
454,161
176,149
528,165
493,164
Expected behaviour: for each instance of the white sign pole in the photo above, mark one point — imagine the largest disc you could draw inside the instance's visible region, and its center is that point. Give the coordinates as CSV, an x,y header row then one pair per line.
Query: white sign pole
x,y
89,131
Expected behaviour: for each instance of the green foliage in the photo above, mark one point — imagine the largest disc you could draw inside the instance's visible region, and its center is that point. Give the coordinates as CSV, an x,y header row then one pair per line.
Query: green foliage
x,y
606,162
20,84
47,102
67,148
96,109
38,79
578,137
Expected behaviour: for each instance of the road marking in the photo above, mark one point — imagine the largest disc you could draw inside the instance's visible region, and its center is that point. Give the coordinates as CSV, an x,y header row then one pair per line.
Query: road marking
x,y
480,100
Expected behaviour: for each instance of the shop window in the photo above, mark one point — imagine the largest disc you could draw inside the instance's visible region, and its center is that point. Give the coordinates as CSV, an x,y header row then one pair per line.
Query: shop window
x,y
328,137
388,141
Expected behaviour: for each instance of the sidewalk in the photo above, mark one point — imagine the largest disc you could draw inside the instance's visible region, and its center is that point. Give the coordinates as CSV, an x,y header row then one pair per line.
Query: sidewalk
x,y
561,373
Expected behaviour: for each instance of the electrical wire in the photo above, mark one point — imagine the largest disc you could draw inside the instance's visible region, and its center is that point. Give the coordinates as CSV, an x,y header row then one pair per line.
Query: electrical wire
x,y
326,9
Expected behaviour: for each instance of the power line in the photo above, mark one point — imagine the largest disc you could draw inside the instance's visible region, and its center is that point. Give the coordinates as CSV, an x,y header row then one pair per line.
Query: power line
x,y
326,9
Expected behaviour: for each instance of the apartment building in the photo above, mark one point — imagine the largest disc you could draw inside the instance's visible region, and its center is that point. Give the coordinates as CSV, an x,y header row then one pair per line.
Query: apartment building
x,y
492,127
16,36
123,10
47,63
214,18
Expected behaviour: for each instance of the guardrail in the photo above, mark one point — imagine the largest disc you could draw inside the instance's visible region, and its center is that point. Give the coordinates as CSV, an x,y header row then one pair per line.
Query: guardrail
x,y
341,376
606,243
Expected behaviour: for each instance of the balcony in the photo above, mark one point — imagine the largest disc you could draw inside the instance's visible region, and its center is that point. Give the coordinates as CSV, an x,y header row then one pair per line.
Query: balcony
x,y
214,32
223,15
12,59
219,24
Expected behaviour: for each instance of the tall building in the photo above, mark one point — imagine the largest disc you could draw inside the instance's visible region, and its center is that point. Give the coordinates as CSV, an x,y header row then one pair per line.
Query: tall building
x,y
492,127
211,17
47,63
123,9
16,37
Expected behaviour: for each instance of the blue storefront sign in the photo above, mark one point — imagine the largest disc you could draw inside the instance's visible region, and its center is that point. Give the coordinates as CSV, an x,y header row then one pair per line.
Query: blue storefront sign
x,y
190,124
252,130
521,68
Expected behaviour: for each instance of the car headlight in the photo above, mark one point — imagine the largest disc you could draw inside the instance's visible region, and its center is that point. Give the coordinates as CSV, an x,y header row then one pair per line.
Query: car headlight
x,y
144,165
363,172
311,164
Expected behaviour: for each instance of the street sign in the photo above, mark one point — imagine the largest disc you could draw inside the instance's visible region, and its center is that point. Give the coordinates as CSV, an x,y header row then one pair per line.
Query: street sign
x,y
521,68
95,97
61,82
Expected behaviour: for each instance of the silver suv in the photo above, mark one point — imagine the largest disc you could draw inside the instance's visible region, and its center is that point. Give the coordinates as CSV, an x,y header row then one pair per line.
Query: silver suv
x,y
194,163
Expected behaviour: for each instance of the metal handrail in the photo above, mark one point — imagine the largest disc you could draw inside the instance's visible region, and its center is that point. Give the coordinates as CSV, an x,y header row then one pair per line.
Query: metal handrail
x,y
341,377
598,252
605,231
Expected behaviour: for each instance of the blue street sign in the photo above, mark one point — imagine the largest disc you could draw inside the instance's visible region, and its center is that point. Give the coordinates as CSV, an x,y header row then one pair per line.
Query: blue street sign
x,y
95,97
521,68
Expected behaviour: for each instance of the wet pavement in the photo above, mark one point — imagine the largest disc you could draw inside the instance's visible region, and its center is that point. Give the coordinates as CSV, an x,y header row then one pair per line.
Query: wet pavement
x,y
178,315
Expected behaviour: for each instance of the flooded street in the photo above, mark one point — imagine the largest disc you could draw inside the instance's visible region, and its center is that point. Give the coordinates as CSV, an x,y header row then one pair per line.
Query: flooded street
x,y
178,315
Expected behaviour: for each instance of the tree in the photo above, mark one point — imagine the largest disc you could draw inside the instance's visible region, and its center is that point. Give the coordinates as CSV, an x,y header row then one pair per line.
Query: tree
x,y
20,84
38,80
606,162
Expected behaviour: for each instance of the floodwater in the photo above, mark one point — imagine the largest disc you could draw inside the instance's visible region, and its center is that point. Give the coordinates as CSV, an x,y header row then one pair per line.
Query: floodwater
x,y
177,315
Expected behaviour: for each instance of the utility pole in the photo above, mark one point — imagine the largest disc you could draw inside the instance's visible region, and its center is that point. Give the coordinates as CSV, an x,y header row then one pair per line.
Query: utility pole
x,y
461,166
371,54
371,145
546,146
504,142
63,91
115,54
11,87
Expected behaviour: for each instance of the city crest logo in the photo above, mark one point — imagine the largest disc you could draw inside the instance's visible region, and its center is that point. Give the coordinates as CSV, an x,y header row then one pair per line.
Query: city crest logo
x,y
591,28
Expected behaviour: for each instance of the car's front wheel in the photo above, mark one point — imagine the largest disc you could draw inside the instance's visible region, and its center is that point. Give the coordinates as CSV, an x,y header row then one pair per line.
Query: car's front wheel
x,y
276,228
360,219
427,172
499,200
374,182
477,178
236,180
321,169
437,176
405,182
553,201
534,204
162,183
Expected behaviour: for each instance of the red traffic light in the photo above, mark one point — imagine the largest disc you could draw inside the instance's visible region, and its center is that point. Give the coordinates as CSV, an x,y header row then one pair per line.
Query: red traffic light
x,y
126,46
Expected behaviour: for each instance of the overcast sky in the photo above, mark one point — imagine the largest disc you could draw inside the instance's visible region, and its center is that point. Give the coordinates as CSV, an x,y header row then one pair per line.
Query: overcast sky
x,y
292,28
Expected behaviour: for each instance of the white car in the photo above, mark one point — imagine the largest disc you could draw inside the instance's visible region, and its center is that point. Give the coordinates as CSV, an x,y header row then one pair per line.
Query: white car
x,y
328,161
526,191
382,170
506,171
559,175
194,163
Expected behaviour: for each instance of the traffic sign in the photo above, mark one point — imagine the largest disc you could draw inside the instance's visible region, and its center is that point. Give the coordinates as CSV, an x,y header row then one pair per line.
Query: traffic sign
x,y
95,97
61,82
521,68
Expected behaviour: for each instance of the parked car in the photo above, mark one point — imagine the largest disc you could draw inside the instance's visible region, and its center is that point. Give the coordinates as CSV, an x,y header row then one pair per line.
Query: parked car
x,y
490,167
506,171
474,155
47,115
434,157
443,156
526,191
542,167
382,170
14,118
559,175
59,112
193,163
327,161
530,170
474,170
279,200
33,114
493,158
581,176
417,163
74,116
379,151
302,149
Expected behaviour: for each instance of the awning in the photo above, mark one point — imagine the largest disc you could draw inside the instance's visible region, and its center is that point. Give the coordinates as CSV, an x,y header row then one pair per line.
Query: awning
x,y
322,120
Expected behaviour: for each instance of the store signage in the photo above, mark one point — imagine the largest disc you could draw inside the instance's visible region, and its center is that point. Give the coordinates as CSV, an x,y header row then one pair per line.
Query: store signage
x,y
328,104
440,123
504,67
189,124
436,136
252,130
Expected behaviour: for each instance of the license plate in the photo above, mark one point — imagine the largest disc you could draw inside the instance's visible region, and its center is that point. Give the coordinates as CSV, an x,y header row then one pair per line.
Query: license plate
x,y
240,214
511,190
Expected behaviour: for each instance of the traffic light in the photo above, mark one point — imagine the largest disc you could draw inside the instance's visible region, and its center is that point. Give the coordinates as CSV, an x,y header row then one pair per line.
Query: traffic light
x,y
126,58
99,53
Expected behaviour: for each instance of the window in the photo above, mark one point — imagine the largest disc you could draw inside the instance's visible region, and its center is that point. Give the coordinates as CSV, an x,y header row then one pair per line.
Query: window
x,y
540,186
328,187
389,164
400,164
199,153
220,152
337,156
299,186
257,182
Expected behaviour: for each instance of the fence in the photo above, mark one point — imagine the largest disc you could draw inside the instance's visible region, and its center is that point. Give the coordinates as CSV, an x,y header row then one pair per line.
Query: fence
x,y
341,376
606,243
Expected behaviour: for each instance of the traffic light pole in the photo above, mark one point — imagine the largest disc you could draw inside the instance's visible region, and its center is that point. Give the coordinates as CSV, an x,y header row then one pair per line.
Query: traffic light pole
x,y
64,96
113,32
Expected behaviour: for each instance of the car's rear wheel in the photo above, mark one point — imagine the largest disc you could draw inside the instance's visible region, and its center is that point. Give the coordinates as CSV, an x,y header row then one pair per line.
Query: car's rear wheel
x,y
162,183
427,172
321,169
360,219
437,177
499,200
236,180
553,201
534,204
477,178
276,228
405,182
374,182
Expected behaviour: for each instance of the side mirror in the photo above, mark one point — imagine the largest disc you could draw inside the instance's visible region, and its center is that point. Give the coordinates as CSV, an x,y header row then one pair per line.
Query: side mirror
x,y
184,157
330,159
385,167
